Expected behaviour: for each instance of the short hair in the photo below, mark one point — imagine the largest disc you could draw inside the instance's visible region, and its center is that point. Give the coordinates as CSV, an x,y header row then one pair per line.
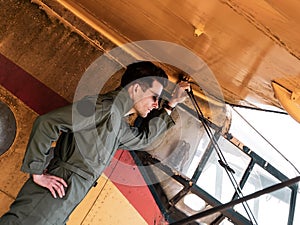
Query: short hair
x,y
146,70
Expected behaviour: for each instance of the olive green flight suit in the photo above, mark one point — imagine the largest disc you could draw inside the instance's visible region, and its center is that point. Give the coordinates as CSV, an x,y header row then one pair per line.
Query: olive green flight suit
x,y
88,133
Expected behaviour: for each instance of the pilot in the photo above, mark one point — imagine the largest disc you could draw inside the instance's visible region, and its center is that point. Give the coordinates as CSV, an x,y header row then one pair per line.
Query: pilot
x,y
87,134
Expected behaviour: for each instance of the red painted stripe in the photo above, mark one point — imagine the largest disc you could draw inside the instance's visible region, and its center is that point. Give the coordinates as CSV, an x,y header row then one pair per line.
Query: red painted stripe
x,y
125,174
42,99
31,91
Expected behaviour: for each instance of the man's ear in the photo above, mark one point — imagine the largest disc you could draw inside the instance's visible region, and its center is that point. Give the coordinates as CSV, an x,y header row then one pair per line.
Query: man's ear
x,y
135,88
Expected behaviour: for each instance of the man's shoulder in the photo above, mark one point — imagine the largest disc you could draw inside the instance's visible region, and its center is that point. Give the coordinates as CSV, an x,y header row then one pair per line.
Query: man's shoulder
x,y
107,97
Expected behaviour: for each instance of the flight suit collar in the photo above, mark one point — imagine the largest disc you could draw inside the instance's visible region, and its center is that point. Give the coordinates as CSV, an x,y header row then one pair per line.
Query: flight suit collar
x,y
122,101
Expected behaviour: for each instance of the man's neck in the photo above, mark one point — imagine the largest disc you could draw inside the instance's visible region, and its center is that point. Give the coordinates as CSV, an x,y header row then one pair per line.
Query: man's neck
x,y
131,111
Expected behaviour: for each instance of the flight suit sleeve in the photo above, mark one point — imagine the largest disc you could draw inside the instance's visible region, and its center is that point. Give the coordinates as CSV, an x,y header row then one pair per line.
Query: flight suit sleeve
x,y
47,128
133,138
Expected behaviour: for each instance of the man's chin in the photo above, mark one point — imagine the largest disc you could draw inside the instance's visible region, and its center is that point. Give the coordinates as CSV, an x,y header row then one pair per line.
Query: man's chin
x,y
143,115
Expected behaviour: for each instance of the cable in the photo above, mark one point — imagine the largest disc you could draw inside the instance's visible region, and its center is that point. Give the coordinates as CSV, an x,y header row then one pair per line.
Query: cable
x,y
258,109
185,78
222,159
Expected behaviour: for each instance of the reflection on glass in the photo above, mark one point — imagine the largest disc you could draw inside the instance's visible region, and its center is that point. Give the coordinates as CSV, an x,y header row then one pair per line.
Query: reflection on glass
x,y
180,145
203,143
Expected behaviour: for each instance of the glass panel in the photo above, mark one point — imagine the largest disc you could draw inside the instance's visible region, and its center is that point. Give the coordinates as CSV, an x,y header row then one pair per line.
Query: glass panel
x,y
214,178
203,143
191,204
297,209
272,208
286,138
226,222
182,147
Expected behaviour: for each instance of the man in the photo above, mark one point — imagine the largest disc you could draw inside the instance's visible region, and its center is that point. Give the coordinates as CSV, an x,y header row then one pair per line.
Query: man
x,y
87,134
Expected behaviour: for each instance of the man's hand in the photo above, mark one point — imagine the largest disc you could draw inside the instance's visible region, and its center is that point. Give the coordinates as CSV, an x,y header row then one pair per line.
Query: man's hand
x,y
53,183
179,93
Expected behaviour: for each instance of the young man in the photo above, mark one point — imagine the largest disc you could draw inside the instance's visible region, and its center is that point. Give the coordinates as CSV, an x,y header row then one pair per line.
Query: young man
x,y
88,133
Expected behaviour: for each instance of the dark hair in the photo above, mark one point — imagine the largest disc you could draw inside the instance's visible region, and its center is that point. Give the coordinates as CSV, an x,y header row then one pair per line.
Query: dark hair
x,y
146,70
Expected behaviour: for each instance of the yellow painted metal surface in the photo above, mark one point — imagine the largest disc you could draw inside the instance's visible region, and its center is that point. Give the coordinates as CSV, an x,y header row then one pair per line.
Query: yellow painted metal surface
x,y
290,104
105,204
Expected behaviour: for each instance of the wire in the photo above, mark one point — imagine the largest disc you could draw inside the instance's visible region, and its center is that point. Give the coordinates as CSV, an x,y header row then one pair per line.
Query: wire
x,y
258,109
222,159
181,77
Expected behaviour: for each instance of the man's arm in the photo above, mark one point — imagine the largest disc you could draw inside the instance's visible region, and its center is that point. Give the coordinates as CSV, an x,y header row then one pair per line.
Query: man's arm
x,y
47,129
137,138
134,139
179,94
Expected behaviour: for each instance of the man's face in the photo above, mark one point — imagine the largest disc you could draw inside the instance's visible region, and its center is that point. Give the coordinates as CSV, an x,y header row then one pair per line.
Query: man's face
x,y
146,100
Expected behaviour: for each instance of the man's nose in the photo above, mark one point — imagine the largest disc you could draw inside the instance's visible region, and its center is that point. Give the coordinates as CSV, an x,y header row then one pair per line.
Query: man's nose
x,y
155,104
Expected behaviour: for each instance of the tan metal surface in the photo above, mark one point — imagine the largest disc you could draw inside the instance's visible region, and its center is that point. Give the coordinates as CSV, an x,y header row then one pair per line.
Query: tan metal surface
x,y
247,44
